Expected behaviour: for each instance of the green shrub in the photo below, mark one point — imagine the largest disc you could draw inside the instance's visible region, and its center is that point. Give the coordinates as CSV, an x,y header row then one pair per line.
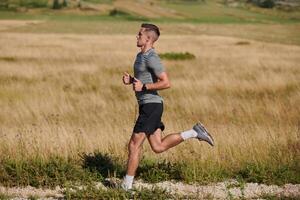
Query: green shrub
x,y
177,56
125,15
117,12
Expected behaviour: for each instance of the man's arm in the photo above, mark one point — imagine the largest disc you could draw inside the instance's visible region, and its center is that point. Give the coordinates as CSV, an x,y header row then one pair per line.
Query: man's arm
x,y
162,83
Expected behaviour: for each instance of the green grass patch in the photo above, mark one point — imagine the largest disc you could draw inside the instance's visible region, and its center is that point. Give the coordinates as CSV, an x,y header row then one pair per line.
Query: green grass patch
x,y
273,171
121,15
99,1
14,4
33,3
184,1
43,173
177,56
217,12
92,192
156,171
33,197
103,164
277,170
261,173
190,172
116,16
56,171
4,196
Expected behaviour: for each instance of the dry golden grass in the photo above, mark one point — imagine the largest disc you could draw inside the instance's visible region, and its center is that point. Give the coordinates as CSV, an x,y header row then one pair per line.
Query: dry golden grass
x,y
62,94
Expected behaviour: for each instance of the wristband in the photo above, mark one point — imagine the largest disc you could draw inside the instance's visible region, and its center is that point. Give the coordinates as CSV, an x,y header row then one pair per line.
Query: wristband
x,y
131,80
144,88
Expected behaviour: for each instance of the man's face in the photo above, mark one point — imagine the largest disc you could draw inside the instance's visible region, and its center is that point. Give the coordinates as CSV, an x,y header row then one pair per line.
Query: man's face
x,y
141,38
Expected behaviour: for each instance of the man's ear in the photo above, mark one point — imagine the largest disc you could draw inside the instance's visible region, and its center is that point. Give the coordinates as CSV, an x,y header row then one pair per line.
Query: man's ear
x,y
148,38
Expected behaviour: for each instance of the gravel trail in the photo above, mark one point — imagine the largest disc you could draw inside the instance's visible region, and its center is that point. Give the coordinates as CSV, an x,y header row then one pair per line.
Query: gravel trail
x,y
222,190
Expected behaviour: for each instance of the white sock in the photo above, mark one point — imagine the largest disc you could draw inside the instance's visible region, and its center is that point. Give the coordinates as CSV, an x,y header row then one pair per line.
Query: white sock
x,y
127,182
188,134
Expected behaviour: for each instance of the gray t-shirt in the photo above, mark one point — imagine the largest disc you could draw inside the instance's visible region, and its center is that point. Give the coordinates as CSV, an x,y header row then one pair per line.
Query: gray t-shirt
x,y
147,67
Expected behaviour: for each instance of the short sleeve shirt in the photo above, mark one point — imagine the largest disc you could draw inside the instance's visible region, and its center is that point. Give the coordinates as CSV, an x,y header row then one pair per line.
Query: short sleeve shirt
x,y
147,68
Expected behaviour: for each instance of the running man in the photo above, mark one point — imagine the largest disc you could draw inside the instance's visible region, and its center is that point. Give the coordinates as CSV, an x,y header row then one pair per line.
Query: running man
x,y
150,76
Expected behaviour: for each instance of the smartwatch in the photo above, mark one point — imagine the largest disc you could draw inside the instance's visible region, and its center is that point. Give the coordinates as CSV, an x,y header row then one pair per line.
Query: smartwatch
x,y
144,88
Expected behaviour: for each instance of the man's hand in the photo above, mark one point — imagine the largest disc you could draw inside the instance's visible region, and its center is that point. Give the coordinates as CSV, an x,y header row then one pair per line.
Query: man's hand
x,y
127,79
137,85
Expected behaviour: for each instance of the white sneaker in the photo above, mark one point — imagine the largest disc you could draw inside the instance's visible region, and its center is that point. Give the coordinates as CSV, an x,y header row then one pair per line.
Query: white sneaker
x,y
124,186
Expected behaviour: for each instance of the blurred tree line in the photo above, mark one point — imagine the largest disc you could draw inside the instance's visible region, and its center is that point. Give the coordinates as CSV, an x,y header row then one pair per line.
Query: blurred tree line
x,y
57,4
263,3
268,3
54,4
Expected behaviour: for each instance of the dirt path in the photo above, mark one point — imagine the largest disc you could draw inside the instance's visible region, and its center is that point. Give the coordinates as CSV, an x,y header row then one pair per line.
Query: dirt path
x,y
228,190
8,24
222,190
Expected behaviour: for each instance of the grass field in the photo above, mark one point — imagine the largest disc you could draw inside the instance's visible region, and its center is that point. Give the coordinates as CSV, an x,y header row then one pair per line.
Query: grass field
x,y
62,96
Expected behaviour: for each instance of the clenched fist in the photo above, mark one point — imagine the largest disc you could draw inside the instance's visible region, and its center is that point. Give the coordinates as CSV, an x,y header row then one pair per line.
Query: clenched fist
x,y
137,85
127,79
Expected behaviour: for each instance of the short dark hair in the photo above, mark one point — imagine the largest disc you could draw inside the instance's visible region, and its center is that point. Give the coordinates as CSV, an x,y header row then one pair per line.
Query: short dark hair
x,y
151,27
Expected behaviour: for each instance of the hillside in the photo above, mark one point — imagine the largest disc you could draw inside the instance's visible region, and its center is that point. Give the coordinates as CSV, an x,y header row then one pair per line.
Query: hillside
x,y
218,11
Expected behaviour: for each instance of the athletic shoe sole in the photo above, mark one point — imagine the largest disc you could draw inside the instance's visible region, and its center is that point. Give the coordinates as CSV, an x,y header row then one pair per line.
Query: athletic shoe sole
x,y
203,134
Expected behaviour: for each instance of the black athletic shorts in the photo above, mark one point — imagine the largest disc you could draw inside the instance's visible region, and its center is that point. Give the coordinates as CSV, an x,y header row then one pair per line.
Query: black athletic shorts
x,y
149,118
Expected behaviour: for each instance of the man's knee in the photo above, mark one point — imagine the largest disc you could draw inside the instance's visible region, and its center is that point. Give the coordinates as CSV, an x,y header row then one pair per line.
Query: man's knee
x,y
133,147
157,149
136,142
